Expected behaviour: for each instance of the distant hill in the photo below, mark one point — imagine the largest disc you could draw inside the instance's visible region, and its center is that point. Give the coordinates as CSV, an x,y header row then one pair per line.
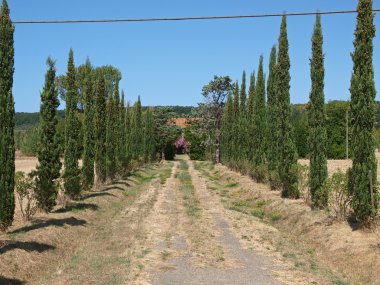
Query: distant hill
x,y
26,121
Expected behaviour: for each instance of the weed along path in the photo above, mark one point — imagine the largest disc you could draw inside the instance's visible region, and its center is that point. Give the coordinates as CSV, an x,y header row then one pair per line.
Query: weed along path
x,y
165,224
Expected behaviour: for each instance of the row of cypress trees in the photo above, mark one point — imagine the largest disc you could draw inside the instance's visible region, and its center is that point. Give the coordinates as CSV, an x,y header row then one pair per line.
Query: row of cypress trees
x,y
113,135
253,129
257,137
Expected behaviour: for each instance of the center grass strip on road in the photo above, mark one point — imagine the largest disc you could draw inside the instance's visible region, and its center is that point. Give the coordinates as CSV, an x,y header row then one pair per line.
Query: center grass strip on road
x,y
191,202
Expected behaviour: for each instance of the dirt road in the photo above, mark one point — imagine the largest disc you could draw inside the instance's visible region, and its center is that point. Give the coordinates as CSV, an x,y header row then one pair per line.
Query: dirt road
x,y
163,226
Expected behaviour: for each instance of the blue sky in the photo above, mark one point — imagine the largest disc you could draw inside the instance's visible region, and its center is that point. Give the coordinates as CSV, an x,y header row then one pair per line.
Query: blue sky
x,y
167,63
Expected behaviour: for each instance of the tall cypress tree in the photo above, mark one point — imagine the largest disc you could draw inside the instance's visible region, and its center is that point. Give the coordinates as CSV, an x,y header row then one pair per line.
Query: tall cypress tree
x,y
49,164
243,93
128,128
7,119
363,94
235,126
288,161
259,119
101,131
123,132
273,115
72,173
88,128
316,118
251,94
117,130
226,131
136,138
110,137
149,137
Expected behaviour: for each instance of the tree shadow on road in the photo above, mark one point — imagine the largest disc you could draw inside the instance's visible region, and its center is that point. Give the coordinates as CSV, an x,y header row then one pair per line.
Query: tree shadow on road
x,y
9,245
78,207
96,194
10,281
38,224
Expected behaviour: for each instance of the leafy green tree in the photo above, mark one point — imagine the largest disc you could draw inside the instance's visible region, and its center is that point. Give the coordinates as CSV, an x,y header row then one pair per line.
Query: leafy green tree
x,y
101,132
88,128
111,140
336,126
72,173
273,115
215,93
288,161
7,119
259,119
363,92
167,133
49,164
316,118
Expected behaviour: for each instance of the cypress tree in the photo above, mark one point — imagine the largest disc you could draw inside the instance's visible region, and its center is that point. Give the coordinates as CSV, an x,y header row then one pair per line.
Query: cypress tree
x,y
7,119
136,135
117,130
243,93
128,127
316,118
288,161
363,94
49,164
251,94
110,137
226,138
235,127
101,131
88,128
273,115
149,137
122,131
259,119
72,172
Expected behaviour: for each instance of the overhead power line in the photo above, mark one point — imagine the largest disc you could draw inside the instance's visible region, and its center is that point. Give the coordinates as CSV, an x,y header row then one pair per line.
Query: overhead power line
x,y
201,18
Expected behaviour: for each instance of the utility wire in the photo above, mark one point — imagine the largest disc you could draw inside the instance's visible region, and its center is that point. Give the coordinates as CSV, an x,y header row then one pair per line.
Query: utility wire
x,y
186,18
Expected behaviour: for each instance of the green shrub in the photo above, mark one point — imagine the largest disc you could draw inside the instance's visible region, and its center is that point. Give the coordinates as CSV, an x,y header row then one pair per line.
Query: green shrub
x,y
25,192
336,192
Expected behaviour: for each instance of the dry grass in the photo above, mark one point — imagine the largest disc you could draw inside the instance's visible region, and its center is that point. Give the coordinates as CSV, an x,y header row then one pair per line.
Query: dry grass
x,y
70,245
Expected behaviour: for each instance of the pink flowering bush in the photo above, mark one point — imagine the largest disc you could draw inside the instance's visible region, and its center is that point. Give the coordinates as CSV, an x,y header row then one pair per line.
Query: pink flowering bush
x,y
181,145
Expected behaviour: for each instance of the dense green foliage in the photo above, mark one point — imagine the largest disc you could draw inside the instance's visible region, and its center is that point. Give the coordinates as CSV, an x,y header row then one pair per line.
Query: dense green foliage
x,y
71,176
316,117
49,164
363,92
7,119
288,155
